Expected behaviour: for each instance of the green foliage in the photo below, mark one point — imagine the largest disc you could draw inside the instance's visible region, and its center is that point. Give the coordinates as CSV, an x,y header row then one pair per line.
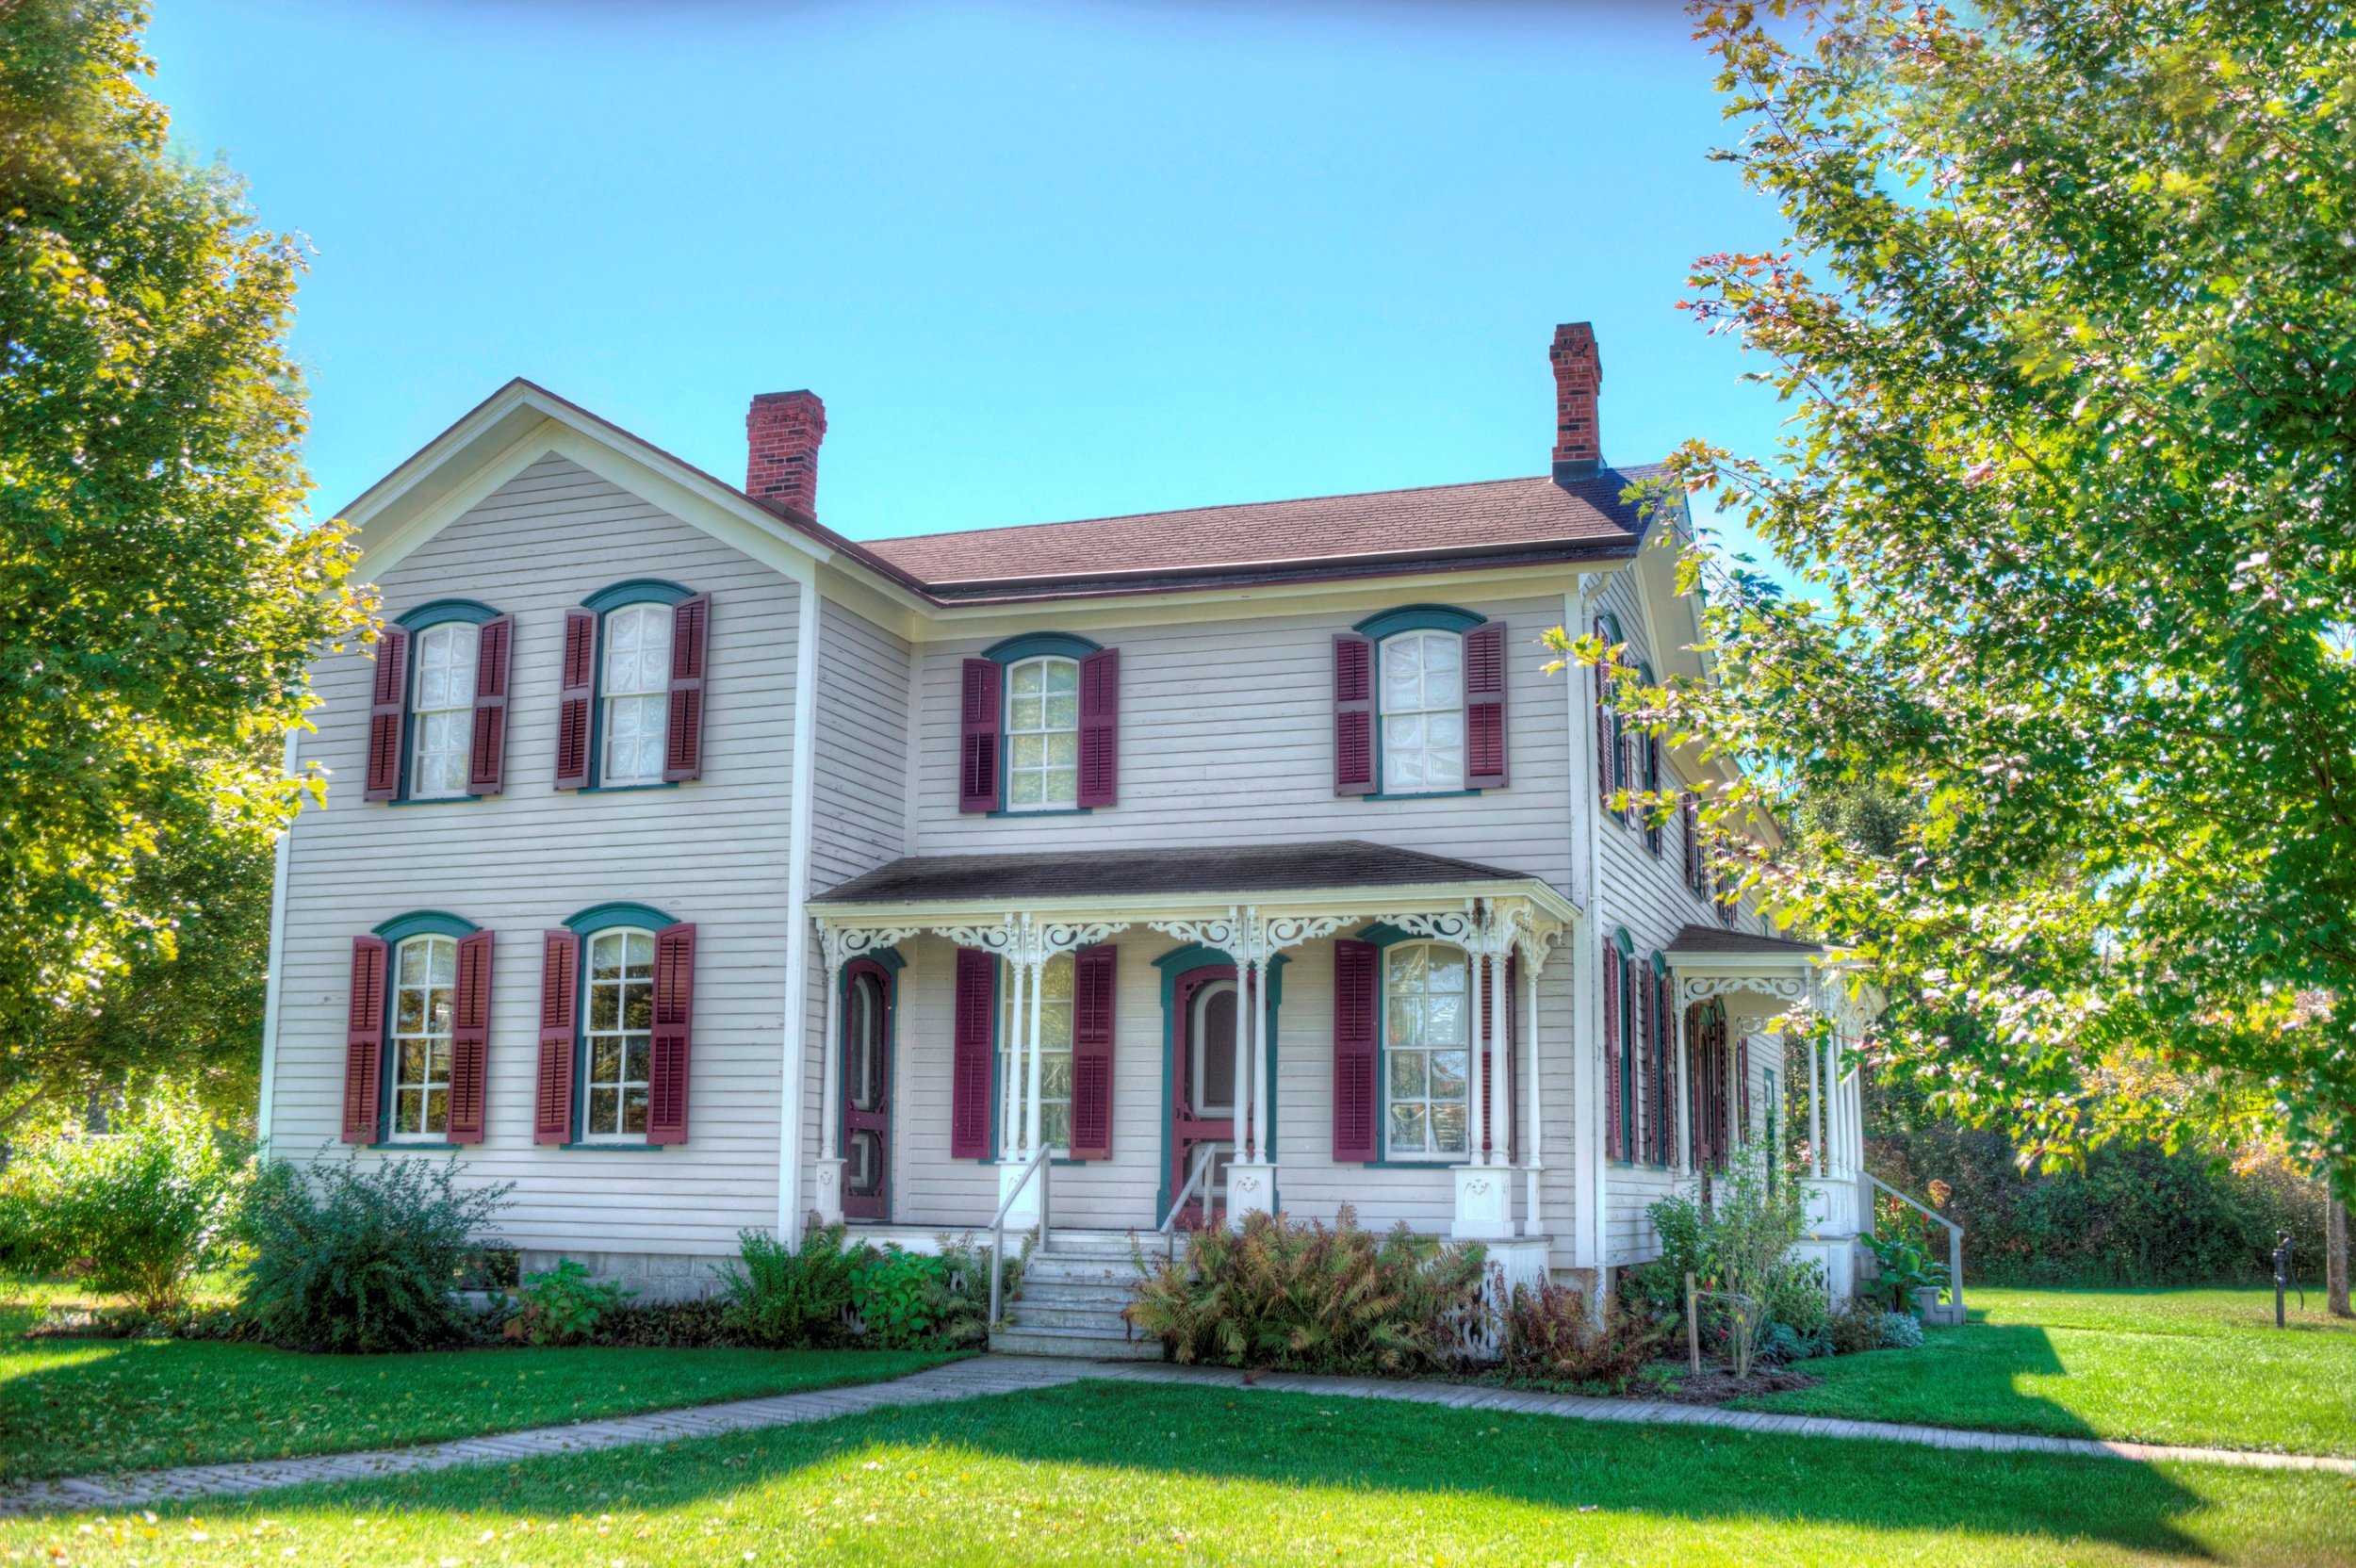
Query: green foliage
x,y
140,1211
1901,1330
928,1302
357,1258
2136,1214
793,1297
1904,1265
1856,1328
1735,1246
1799,1311
1552,1337
2065,317
1310,1297
160,597
564,1306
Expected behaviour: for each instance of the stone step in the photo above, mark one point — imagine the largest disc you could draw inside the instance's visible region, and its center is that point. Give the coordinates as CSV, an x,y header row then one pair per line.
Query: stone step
x,y
1086,1343
1063,1269
1032,1313
1064,1292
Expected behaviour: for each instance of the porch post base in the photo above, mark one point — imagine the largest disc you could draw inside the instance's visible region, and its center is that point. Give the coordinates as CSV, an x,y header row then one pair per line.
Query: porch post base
x,y
1025,1214
826,1192
1484,1203
1831,1239
1251,1189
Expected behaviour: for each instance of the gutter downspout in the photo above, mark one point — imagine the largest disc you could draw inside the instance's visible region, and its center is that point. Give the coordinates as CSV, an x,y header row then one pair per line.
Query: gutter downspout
x,y
273,978
794,1034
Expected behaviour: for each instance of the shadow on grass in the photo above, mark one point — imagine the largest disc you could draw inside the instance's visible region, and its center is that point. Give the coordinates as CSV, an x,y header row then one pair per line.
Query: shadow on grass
x,y
1145,1437
1967,1377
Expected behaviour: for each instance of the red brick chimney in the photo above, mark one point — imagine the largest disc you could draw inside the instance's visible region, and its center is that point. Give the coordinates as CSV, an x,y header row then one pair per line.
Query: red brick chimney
x,y
781,434
1578,382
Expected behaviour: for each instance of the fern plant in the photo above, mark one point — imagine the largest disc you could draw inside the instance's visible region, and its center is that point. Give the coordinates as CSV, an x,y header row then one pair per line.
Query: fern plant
x,y
793,1297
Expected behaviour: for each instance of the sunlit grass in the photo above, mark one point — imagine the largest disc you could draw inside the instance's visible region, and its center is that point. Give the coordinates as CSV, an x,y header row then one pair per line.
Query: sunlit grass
x,y
1107,1472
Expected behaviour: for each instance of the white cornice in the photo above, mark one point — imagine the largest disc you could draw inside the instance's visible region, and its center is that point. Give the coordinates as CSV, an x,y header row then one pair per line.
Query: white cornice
x,y
1145,909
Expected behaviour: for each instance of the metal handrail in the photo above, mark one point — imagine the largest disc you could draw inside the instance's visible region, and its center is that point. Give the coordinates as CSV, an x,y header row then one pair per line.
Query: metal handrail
x,y
998,1226
1954,1237
1210,1159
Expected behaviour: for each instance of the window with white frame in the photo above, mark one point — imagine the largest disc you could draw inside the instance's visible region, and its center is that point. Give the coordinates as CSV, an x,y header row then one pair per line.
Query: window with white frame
x,y
1043,734
425,983
1423,711
636,686
1427,1032
441,714
619,1040
1054,1050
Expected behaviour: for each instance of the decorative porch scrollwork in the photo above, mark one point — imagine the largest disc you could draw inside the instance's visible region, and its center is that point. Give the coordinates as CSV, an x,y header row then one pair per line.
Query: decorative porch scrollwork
x,y
840,944
1701,987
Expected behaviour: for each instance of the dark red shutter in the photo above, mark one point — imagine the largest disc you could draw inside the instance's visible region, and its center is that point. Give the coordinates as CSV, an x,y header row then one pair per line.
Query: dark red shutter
x,y
363,1041
683,735
1093,981
486,759
560,990
1613,1145
1100,728
1354,715
470,1037
1484,706
1648,1121
1743,1084
388,703
969,1060
978,737
1356,999
674,1021
576,690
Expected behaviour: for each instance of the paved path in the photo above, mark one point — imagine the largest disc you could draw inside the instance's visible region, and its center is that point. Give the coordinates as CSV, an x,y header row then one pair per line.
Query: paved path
x,y
986,1375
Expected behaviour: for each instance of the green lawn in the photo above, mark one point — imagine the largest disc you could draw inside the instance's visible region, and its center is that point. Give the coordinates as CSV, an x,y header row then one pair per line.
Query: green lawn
x,y
2192,1366
71,1407
1100,1472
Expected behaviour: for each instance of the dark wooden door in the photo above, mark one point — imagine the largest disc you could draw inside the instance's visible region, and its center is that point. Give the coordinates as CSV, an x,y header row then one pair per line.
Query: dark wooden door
x,y
866,1092
1203,1085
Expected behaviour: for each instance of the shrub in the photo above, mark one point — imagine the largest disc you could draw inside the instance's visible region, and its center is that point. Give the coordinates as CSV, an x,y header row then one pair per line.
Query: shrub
x,y
1901,1330
797,1298
1735,1246
141,1211
1799,1311
1857,1327
361,1257
937,1302
688,1325
1551,1337
565,1306
1310,1297
1904,1266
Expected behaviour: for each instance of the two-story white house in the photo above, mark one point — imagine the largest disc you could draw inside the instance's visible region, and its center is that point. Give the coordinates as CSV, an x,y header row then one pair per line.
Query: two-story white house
x,y
694,867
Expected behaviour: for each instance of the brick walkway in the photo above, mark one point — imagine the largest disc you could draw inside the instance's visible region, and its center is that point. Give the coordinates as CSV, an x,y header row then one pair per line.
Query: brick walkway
x,y
987,1375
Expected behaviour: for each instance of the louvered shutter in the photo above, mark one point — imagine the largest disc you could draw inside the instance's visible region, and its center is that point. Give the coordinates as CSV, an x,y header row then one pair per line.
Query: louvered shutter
x,y
1093,980
673,1021
553,1093
577,691
1640,1049
969,1059
1353,716
1100,728
1743,1084
388,700
1484,706
470,1037
1356,1001
1665,1077
684,734
363,1041
1607,742
486,756
1613,1145
978,737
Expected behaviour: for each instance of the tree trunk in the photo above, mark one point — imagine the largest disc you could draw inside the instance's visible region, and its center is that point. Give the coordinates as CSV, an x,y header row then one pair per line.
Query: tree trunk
x,y
2335,1257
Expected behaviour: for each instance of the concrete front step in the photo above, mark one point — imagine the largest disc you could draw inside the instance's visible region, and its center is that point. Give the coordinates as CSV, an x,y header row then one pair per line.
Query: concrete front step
x,y
1088,1344
1048,1312
1065,1293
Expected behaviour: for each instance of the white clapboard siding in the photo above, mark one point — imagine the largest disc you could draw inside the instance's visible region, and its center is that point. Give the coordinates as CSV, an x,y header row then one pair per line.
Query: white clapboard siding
x,y
1226,737
712,852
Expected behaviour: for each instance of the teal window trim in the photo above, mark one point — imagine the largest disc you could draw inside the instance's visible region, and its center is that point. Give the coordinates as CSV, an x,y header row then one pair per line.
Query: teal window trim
x,y
600,1148
1176,964
419,923
1418,617
439,800
1609,625
1383,938
1004,811
434,613
600,917
610,789
433,1145
1035,644
1416,794
637,590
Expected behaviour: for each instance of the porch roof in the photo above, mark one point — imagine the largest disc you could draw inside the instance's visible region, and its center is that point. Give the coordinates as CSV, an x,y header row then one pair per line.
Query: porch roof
x,y
1346,863
1694,940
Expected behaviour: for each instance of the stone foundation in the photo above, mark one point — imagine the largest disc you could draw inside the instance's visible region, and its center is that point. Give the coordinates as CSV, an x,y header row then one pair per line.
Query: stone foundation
x,y
648,1276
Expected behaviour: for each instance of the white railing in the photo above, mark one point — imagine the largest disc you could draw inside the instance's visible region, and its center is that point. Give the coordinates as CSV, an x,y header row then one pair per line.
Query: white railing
x,y
1167,1229
1955,1239
998,1228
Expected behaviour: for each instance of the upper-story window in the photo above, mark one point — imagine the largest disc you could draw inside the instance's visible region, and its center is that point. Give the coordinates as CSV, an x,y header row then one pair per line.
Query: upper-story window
x,y
1427,1033
631,707
437,714
1038,725
1419,703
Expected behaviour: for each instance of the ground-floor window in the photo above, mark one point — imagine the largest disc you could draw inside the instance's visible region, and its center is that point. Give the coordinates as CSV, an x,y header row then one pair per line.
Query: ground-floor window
x,y
620,1035
1427,1031
1055,1044
425,982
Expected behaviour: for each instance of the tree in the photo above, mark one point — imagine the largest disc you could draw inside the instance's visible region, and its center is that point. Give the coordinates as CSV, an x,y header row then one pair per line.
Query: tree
x,y
159,594
2067,320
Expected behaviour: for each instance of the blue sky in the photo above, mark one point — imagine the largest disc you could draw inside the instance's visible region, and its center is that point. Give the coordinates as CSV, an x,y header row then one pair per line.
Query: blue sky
x,y
1041,261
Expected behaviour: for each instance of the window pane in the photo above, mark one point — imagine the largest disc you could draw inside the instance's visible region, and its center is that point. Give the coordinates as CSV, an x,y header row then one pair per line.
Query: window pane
x,y
1448,1075
641,952
1026,789
1407,1075
1030,678
634,1110
636,1049
409,1011
605,1060
1407,1124
604,1114
638,1005
1444,1020
1027,751
605,1005
1447,1126
1063,675
1063,712
605,956
1063,751
437,1110
1025,713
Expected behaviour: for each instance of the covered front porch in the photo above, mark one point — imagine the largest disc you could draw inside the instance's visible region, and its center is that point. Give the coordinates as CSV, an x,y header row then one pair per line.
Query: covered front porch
x,y
1122,1042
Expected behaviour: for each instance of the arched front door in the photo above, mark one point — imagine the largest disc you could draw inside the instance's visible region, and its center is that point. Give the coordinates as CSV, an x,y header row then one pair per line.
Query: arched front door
x,y
1202,1085
866,1092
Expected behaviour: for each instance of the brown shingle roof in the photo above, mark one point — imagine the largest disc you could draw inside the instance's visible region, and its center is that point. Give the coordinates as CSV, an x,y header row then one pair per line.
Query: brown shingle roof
x,y
1708,939
1507,520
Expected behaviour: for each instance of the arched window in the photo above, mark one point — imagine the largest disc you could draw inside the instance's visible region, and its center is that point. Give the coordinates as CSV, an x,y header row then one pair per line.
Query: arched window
x,y
630,696
636,685
1043,734
1423,711
437,713
1419,703
425,984
617,1039
1427,1033
1211,1062
441,709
